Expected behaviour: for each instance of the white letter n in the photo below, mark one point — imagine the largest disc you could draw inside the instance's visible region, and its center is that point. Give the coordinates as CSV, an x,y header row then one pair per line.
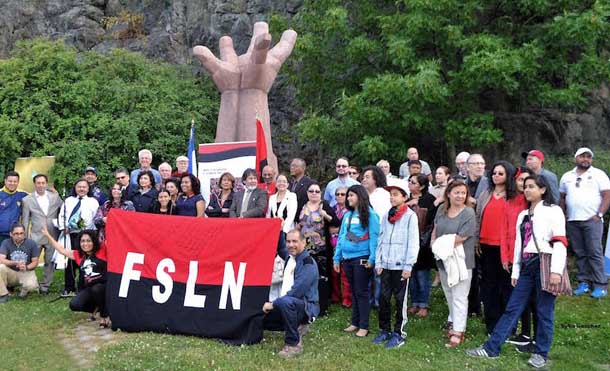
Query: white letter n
x,y
229,284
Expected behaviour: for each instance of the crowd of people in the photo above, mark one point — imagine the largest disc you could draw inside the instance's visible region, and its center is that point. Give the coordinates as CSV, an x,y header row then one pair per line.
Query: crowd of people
x,y
497,240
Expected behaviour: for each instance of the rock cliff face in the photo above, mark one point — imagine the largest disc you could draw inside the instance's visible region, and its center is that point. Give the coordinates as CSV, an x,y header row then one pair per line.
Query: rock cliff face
x,y
167,30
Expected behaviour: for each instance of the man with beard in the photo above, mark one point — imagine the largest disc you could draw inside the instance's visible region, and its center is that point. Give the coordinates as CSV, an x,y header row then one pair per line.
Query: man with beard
x,y
585,198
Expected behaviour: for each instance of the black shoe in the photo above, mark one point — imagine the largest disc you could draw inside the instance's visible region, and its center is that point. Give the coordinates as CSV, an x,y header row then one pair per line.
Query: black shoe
x,y
44,291
519,340
527,348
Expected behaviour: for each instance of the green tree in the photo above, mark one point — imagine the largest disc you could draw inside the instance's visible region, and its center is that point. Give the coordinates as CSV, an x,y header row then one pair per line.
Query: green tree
x,y
375,77
89,108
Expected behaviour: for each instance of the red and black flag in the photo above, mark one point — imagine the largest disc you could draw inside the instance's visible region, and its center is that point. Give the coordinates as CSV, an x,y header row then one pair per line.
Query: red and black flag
x,y
193,276
261,150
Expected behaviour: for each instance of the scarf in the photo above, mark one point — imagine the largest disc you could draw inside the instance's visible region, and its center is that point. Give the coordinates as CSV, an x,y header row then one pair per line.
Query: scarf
x,y
395,214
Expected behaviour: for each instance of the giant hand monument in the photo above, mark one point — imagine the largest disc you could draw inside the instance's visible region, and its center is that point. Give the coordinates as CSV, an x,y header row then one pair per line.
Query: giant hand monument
x,y
244,82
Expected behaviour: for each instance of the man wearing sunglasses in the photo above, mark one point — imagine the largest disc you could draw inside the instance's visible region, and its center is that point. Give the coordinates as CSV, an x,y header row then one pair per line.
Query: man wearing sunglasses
x,y
585,198
342,180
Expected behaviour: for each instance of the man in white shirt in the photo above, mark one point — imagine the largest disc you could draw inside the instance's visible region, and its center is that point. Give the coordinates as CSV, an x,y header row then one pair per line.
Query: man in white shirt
x,y
342,180
585,198
39,209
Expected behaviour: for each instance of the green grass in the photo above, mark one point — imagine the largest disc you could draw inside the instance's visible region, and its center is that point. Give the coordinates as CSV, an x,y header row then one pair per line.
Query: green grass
x,y
30,331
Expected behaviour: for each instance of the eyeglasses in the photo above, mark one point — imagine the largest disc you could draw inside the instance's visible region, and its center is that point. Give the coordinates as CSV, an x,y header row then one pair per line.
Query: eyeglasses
x,y
352,173
339,194
578,180
414,183
314,191
497,173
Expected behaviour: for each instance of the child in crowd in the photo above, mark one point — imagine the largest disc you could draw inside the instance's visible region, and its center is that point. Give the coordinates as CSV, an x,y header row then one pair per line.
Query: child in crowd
x,y
396,253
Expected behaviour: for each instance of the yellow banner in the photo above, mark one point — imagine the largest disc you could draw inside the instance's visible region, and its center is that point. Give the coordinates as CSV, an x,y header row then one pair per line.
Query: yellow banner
x,y
28,167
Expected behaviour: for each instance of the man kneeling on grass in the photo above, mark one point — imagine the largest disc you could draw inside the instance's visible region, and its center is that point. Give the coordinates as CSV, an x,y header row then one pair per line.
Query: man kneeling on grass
x,y
18,260
297,305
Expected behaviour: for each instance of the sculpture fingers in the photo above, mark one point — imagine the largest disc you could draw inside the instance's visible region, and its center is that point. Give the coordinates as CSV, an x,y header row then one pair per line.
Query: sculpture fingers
x,y
261,48
283,49
227,51
207,58
260,28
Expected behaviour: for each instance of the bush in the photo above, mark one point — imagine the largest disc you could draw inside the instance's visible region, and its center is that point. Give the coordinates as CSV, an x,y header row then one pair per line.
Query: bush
x,y
94,109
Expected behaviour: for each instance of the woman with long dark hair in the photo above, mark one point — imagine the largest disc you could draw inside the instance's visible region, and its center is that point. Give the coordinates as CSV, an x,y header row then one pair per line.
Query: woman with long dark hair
x,y
423,204
117,201
163,204
220,202
190,202
491,212
91,260
356,250
541,229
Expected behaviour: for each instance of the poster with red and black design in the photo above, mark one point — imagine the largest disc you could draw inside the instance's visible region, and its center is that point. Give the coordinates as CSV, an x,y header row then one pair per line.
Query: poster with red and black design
x,y
205,277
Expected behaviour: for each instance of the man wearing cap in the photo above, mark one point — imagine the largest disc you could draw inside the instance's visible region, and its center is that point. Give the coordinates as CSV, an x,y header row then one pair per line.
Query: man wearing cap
x,y
10,203
342,180
182,167
585,198
95,190
534,160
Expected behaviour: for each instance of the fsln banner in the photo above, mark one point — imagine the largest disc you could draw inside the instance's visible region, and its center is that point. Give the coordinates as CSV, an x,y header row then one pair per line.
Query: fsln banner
x,y
194,276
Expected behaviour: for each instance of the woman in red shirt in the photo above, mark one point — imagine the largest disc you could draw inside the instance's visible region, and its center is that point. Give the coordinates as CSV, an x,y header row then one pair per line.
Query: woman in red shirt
x,y
491,210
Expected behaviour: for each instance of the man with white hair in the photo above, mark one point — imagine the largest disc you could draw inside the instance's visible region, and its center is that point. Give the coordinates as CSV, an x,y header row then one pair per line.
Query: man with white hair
x,y
145,158
392,180
461,164
165,170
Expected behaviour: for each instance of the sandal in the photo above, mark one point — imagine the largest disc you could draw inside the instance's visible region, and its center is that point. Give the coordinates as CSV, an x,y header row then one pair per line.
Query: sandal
x,y
422,313
351,328
104,323
455,339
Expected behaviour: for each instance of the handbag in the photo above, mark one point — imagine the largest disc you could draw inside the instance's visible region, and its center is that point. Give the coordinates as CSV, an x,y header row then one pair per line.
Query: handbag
x,y
564,287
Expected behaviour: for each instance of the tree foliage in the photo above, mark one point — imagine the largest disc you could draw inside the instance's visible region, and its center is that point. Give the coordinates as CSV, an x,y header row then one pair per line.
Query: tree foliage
x,y
93,109
376,76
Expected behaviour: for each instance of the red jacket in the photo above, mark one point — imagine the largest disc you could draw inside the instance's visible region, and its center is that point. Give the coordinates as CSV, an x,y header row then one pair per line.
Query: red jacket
x,y
508,229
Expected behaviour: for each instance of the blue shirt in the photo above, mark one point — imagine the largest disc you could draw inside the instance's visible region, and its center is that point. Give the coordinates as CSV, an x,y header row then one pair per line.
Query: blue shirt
x,y
331,187
347,249
10,209
187,206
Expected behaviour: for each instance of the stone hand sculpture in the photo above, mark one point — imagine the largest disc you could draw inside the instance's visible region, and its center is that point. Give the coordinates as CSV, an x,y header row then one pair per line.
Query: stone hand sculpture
x,y
244,82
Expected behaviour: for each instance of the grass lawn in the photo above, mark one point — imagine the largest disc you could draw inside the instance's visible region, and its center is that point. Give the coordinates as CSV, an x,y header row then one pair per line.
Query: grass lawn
x,y
32,333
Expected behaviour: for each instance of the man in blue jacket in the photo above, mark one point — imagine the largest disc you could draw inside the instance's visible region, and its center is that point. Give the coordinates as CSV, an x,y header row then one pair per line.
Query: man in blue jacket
x,y
10,204
297,305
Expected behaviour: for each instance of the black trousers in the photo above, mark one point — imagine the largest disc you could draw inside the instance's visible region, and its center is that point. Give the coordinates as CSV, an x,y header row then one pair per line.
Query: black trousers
x,y
89,298
72,268
474,297
495,285
392,284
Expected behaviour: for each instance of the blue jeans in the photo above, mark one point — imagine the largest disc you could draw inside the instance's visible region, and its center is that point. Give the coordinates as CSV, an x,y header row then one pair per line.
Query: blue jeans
x,y
358,277
287,314
374,289
419,288
529,281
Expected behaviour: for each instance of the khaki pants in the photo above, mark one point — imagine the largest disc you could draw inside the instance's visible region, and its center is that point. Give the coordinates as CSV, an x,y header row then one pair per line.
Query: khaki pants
x,y
9,278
